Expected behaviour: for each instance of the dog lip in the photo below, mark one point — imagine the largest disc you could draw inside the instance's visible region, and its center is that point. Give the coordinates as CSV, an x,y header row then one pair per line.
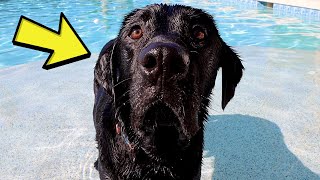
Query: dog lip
x,y
160,115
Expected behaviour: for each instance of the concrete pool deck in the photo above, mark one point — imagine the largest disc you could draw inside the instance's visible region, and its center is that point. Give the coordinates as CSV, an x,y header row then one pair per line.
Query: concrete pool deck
x,y
311,4
270,130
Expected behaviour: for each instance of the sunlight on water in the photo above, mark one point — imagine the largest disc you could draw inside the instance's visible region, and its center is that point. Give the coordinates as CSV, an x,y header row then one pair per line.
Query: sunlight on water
x,y
98,21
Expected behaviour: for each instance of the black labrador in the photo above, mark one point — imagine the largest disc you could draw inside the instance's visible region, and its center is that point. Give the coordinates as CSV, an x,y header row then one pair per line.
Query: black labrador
x,y
152,85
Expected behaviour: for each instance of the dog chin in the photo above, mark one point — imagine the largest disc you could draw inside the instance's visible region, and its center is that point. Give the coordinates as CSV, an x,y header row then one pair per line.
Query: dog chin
x,y
163,131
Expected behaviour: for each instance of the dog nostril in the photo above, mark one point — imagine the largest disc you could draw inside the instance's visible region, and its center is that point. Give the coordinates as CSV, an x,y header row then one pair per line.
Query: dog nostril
x,y
150,63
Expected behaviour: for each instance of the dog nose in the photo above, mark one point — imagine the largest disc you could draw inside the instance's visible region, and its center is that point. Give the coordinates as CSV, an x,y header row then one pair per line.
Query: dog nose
x,y
166,59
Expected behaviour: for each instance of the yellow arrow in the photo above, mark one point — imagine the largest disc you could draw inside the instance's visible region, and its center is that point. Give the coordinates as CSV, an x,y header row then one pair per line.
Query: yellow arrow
x,y
64,46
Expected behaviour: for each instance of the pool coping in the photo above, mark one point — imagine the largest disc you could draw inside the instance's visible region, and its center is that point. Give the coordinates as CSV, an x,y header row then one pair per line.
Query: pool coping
x,y
311,4
282,8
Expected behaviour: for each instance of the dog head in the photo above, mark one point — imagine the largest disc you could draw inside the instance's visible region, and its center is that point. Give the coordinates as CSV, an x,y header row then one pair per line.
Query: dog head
x,y
160,71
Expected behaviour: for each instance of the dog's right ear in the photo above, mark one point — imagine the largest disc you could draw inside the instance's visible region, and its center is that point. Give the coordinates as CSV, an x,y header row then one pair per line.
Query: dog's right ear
x,y
231,72
102,70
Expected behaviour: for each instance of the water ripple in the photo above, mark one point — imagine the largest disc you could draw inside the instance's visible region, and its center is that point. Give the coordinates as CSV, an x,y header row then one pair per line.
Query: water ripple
x,y
98,21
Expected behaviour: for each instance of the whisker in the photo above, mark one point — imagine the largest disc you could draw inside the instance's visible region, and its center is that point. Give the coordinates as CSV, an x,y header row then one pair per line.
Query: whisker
x,y
119,98
196,52
119,108
121,82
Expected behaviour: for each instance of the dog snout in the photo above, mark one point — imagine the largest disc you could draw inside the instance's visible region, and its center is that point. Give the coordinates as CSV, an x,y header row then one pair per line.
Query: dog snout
x,y
163,59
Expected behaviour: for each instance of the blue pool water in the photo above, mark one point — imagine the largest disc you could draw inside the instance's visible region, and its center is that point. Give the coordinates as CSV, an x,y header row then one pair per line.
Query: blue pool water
x,y
98,21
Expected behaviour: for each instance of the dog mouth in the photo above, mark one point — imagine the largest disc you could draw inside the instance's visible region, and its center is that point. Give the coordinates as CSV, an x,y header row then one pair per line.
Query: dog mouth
x,y
164,130
160,115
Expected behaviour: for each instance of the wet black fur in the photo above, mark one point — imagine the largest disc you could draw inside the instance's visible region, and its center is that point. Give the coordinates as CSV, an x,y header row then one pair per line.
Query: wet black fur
x,y
121,92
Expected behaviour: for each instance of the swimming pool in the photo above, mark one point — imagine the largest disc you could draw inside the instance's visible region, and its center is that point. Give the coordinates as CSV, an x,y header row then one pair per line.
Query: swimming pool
x,y
98,21
270,129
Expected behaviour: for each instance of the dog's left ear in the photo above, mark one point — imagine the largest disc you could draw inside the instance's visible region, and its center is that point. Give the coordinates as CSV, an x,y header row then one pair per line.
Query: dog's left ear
x,y
231,72
102,69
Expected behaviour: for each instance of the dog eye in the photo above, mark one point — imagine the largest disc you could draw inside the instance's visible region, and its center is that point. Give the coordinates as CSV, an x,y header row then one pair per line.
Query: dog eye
x,y
198,33
136,32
